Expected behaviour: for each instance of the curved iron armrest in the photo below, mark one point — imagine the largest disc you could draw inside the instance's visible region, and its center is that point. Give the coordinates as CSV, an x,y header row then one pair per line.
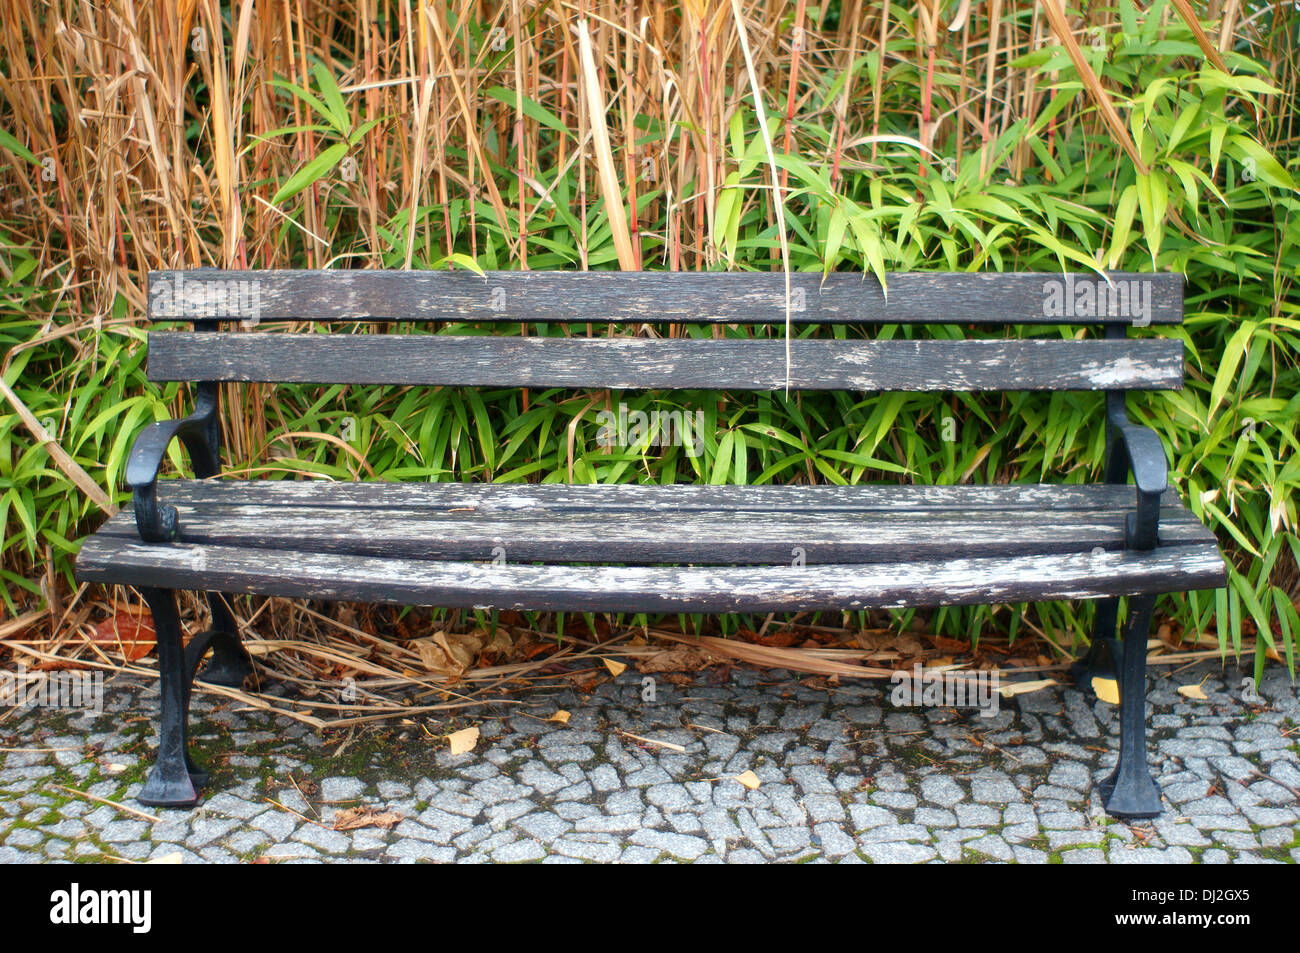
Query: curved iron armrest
x,y
198,432
1133,448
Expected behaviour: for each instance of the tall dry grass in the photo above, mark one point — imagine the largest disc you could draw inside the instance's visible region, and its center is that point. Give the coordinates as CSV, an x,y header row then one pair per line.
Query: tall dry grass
x,y
157,122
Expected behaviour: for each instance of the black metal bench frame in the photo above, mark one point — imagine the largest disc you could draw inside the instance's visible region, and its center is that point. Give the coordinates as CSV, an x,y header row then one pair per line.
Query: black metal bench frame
x,y
1115,363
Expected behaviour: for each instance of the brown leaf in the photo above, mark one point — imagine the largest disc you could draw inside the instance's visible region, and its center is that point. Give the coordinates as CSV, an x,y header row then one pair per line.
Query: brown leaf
x,y
355,817
683,658
949,646
779,639
448,654
131,633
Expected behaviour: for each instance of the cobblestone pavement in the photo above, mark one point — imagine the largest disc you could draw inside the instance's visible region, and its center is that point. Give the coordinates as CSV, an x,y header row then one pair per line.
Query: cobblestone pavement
x,y
845,777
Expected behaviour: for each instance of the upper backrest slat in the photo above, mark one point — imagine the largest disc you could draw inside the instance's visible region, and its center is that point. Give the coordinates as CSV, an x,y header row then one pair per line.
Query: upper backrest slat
x,y
678,297
667,363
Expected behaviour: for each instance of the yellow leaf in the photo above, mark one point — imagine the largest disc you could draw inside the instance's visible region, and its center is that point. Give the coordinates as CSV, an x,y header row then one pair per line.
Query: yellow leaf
x,y
1107,690
749,779
1193,692
172,858
1020,688
463,740
561,716
615,668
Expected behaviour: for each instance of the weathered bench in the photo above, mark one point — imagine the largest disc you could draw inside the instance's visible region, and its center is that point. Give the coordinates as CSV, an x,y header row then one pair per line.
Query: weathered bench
x,y
681,548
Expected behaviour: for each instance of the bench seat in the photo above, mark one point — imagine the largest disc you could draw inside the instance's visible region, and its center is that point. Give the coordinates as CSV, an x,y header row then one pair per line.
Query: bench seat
x,y
684,548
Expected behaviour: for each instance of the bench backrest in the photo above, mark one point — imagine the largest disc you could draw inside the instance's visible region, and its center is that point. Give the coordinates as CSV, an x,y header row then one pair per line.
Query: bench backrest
x,y
1113,363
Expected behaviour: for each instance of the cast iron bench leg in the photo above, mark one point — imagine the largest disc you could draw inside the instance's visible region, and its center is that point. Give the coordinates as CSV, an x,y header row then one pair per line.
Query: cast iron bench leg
x,y
1103,652
1130,792
230,664
174,781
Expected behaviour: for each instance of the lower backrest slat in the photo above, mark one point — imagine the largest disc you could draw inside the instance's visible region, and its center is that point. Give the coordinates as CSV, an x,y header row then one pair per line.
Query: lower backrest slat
x,y
664,364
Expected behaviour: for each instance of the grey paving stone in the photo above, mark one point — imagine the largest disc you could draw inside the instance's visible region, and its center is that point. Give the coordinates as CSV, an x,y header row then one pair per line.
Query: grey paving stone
x,y
499,815
992,845
519,851
994,791
542,778
1083,855
898,853
323,838
604,778
1028,855
601,851
868,816
942,790
824,807
454,802
1070,774
275,823
670,797
682,846
832,840
291,850
123,832
336,790
895,800
1147,855
544,827
611,823
982,815
934,817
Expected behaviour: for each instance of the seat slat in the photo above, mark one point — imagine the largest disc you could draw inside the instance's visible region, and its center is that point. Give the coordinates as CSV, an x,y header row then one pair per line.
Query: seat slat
x,y
645,537
671,498
677,363
688,297
110,559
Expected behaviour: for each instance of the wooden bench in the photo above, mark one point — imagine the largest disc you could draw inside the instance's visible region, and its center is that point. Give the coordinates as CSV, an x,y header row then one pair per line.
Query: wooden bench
x,y
638,548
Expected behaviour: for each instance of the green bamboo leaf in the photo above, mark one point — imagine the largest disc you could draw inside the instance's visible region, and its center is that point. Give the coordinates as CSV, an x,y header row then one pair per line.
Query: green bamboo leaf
x,y
1124,210
312,172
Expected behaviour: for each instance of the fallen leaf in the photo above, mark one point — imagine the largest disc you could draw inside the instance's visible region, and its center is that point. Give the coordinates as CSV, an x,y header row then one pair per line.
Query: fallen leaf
x,y
448,654
1021,688
176,857
749,779
354,817
683,658
780,638
908,644
500,643
561,716
463,740
1106,689
615,668
1193,692
949,646
131,633
114,768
